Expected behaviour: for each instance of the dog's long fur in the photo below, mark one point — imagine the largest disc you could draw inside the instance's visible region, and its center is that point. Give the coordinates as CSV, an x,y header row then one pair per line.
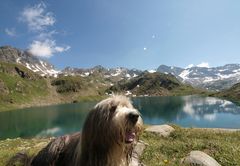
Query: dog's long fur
x,y
107,139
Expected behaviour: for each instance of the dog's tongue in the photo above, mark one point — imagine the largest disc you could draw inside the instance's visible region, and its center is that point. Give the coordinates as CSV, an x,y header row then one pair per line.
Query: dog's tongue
x,y
130,136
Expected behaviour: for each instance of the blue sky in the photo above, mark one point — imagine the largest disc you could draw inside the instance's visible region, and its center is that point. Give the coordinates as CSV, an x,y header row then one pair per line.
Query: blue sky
x,y
131,33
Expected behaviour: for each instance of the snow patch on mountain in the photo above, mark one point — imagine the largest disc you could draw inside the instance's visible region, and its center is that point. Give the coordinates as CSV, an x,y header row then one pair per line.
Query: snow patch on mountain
x,y
184,74
152,71
203,64
189,66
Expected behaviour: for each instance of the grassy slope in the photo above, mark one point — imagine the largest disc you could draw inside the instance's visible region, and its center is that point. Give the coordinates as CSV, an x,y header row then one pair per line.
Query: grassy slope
x,y
155,84
76,88
232,94
16,89
9,147
224,146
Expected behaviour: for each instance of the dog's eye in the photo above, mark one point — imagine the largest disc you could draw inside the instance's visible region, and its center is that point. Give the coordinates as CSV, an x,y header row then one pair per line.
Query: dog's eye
x,y
113,108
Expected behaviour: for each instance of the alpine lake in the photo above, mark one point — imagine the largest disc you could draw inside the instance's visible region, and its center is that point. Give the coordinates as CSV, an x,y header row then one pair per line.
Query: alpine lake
x,y
186,111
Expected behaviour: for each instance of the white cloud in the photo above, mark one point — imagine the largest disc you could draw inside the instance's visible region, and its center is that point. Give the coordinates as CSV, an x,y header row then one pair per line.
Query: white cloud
x,y
46,35
189,66
61,49
37,18
10,32
46,48
203,64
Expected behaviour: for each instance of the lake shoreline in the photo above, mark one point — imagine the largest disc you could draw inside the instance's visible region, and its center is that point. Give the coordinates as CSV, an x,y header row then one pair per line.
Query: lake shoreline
x,y
223,130
45,102
186,111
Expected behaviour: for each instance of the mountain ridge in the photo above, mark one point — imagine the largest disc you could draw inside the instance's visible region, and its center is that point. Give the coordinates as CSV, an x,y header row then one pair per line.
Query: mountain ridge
x,y
154,84
212,78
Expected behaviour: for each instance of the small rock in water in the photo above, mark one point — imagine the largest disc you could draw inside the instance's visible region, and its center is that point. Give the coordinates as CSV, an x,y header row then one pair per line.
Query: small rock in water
x,y
199,158
162,130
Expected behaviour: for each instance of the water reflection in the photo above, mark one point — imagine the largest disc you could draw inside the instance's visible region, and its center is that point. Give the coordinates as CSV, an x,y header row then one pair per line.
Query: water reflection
x,y
207,107
189,111
44,121
167,108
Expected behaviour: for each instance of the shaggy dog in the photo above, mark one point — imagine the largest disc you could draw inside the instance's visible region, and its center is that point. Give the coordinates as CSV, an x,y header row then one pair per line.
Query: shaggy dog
x,y
108,136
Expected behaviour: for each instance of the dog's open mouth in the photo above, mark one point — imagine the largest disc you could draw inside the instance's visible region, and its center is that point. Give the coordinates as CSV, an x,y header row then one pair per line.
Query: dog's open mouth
x,y
130,136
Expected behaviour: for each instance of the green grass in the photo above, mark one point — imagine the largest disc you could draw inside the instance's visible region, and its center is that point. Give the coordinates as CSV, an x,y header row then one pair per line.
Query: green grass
x,y
90,98
16,89
9,147
187,90
222,146
69,84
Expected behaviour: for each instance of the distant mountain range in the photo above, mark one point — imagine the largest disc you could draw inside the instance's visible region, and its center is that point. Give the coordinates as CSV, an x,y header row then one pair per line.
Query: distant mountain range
x,y
114,74
44,68
26,80
215,78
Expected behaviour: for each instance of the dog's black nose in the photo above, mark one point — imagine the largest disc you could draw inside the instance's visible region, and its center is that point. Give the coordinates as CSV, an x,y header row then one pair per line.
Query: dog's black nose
x,y
133,117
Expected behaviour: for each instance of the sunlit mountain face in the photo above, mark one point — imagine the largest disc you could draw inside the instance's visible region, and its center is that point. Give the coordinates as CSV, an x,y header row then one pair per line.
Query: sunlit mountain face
x,y
25,58
211,78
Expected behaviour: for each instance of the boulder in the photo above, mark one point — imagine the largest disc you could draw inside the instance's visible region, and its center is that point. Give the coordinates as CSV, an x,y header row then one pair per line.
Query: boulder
x,y
162,130
137,152
3,89
199,158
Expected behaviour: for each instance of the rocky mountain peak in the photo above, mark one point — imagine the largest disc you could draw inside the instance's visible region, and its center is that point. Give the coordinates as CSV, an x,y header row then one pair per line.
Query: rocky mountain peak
x,y
14,55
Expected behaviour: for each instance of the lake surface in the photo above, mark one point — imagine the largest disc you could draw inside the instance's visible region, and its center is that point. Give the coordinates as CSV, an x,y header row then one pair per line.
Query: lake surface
x,y
186,111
